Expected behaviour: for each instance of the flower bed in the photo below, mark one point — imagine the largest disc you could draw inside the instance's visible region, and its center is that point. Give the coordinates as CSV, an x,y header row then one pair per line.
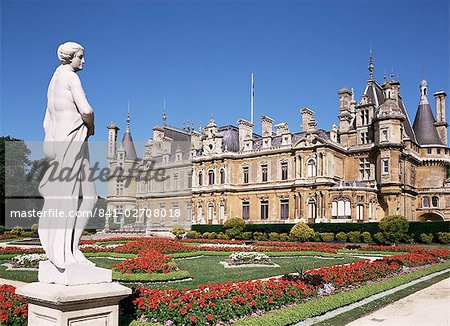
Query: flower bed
x,y
246,258
13,307
147,261
28,261
220,303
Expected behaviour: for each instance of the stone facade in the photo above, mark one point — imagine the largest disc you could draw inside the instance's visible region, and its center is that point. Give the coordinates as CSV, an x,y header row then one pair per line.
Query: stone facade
x,y
373,164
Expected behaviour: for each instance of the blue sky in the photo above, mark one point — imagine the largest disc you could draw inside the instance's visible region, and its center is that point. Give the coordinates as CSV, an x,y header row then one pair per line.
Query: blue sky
x,y
199,55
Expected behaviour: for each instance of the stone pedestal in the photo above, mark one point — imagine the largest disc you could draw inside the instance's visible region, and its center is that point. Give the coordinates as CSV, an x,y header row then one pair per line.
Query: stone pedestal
x,y
73,274
76,305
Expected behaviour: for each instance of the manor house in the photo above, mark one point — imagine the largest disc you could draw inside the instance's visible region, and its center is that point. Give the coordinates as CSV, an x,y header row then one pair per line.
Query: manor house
x,y
374,163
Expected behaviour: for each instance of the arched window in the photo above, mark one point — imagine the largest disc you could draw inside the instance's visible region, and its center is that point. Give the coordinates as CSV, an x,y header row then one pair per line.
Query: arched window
x,y
200,178
211,177
340,208
312,168
312,208
426,202
222,176
210,211
434,201
221,211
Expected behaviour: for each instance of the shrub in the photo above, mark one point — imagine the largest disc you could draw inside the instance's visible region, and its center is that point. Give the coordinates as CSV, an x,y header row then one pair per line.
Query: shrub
x,y
234,227
260,236
18,230
273,236
193,235
28,234
354,236
223,236
341,237
178,231
206,235
394,227
212,235
246,235
426,238
284,237
366,237
379,238
302,232
316,237
444,237
35,228
327,236
2,229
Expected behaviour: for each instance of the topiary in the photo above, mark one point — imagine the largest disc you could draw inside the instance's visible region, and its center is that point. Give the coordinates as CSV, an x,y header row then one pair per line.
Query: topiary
x,y
273,236
341,237
354,236
260,236
379,238
301,232
234,227
426,238
366,237
394,228
223,236
327,236
444,237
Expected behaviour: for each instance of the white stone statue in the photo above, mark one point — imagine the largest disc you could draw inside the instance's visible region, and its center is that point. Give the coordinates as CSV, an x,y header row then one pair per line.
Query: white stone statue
x,y
69,196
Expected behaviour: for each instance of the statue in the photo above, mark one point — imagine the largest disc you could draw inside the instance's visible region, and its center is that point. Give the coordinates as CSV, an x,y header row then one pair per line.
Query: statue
x,y
69,196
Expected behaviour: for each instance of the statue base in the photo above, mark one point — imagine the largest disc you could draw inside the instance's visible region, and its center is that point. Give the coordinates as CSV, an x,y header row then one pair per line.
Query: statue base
x,y
60,305
73,274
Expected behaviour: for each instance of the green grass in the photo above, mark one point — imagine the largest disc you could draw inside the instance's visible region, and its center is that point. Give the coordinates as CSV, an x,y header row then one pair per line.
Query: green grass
x,y
296,313
208,270
347,317
109,254
269,253
22,276
146,277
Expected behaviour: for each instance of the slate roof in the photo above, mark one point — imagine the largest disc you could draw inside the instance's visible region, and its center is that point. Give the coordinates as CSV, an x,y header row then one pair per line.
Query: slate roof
x,y
128,145
424,128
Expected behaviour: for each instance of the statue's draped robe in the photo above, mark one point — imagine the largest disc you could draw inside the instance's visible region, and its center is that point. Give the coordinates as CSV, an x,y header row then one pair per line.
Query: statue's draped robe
x,y
66,149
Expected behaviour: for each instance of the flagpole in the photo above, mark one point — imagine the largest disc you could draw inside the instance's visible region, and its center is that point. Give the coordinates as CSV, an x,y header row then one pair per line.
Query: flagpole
x,y
252,99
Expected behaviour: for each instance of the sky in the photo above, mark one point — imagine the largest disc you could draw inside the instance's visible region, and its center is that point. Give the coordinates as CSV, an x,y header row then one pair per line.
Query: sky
x,y
199,56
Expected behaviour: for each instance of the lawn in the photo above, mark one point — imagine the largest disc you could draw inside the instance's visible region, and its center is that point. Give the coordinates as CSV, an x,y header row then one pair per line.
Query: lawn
x,y
207,269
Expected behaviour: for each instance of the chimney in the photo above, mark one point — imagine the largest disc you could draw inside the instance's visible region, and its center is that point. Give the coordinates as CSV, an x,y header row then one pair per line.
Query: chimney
x,y
245,134
266,131
441,121
307,116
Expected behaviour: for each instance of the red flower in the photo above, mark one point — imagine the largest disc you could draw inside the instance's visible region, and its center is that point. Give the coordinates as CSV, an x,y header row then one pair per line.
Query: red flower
x,y
193,319
209,317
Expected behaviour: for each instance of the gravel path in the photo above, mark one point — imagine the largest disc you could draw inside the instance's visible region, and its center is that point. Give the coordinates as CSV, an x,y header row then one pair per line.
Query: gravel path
x,y
438,297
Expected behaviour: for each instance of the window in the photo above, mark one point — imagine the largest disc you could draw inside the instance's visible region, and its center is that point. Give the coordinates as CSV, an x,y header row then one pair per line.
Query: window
x,y
210,211
364,117
284,208
284,171
428,150
189,212
364,137
200,178
341,209
360,212
264,209
434,201
312,168
245,210
385,166
245,174
222,176
211,177
426,202
175,209
372,212
364,169
312,208
438,151
264,172
118,214
175,181
200,212
119,187
222,211
384,135
189,180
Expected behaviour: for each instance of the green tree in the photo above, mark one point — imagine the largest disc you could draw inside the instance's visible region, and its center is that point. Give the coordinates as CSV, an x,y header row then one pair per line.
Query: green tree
x,y
301,232
234,227
394,228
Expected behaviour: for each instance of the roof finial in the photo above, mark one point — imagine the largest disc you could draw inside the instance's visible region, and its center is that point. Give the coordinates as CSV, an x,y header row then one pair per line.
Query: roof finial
x,y
371,66
128,117
353,95
164,113
392,74
385,76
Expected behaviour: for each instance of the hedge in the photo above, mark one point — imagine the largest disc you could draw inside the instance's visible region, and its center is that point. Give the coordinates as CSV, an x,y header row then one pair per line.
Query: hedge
x,y
416,228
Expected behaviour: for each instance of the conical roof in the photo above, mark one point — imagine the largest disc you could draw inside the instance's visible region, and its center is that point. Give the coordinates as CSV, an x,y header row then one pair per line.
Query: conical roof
x,y
426,133
127,141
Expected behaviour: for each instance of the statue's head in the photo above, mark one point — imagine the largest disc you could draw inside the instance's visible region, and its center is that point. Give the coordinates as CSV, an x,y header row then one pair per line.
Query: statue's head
x,y
71,53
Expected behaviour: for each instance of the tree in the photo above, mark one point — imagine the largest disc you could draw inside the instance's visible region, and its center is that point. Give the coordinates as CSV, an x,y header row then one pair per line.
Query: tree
x,y
394,228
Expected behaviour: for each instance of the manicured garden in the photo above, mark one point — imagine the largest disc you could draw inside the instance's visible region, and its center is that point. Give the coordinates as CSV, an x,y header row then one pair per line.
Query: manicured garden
x,y
222,281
